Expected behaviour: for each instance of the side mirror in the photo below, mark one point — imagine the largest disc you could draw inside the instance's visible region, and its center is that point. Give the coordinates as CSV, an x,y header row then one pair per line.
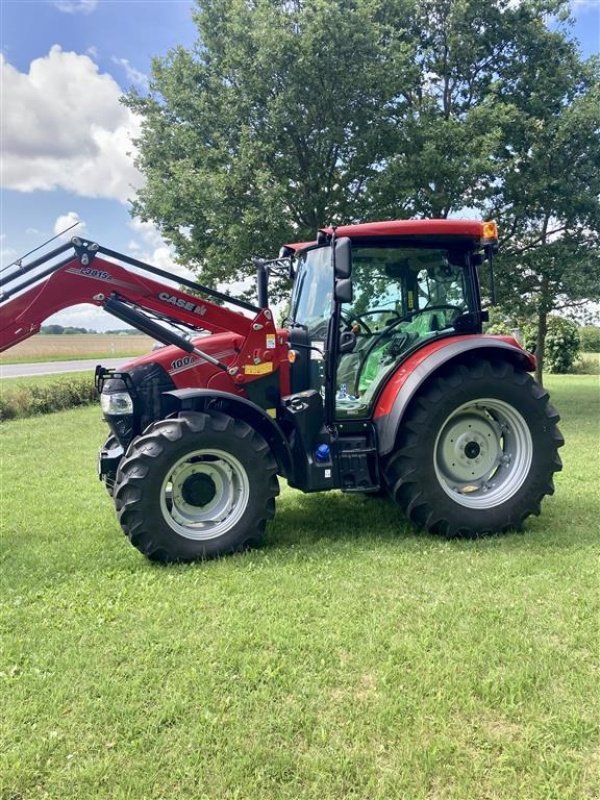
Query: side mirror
x,y
347,342
343,257
342,290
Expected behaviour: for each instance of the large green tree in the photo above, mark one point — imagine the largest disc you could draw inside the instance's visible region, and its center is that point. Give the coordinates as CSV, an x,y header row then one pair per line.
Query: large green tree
x,y
269,128
502,117
292,114
549,196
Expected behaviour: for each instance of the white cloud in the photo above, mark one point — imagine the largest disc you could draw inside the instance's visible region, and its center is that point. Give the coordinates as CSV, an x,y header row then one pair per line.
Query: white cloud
x,y
133,75
7,255
65,221
149,246
85,316
64,127
76,6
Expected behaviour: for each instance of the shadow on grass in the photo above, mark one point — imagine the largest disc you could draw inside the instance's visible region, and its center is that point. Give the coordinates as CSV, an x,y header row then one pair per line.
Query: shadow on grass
x,y
309,518
306,520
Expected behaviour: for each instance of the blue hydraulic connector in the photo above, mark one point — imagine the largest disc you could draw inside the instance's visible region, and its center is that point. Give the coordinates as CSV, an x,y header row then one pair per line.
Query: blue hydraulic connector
x,y
322,453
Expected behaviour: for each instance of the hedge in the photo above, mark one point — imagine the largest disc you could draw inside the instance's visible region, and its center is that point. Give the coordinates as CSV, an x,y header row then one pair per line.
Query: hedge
x,y
26,400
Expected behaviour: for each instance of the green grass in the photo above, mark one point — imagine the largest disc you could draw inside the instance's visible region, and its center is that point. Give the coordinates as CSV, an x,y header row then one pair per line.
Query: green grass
x,y
351,657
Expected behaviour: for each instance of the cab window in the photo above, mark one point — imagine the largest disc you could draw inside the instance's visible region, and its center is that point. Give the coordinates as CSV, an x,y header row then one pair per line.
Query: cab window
x,y
402,297
313,292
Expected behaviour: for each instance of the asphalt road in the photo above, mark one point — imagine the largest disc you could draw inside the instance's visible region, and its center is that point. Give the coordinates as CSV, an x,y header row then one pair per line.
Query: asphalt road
x,y
56,367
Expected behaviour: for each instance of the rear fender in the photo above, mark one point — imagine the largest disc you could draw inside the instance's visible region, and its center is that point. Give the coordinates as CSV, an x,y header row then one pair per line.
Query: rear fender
x,y
412,374
239,408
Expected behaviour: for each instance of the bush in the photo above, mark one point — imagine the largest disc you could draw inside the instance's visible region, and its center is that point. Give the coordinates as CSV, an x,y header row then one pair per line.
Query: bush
x,y
500,329
29,400
503,324
590,338
562,343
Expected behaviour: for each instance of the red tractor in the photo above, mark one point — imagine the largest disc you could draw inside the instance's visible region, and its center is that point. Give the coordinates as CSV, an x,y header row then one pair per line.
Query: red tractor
x,y
380,382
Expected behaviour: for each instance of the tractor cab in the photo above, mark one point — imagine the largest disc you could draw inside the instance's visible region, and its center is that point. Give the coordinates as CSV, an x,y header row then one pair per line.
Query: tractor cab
x,y
399,293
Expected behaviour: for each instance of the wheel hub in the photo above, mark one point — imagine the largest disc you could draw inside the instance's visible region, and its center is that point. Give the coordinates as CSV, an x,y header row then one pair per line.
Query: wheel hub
x,y
472,450
198,489
483,453
470,447
204,494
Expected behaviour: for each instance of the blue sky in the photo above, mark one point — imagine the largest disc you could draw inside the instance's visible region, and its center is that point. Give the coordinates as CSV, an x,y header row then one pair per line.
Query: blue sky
x,y
65,138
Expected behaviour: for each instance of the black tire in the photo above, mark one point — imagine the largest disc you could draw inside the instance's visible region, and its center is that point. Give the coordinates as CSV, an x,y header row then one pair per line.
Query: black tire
x,y
196,486
112,443
487,420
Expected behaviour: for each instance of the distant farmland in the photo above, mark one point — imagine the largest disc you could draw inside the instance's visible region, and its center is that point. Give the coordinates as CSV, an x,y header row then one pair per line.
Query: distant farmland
x,y
46,347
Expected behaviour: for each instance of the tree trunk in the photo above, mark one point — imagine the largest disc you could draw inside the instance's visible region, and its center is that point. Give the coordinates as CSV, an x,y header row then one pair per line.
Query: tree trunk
x,y
543,307
540,345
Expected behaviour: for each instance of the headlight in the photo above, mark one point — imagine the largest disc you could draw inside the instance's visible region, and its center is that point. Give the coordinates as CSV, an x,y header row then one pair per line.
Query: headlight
x,y
116,403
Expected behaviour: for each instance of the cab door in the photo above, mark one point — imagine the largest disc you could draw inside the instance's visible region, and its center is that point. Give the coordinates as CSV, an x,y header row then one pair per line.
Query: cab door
x,y
311,309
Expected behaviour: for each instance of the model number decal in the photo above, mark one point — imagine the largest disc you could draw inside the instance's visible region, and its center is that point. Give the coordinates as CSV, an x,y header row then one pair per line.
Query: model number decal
x,y
89,272
179,302
186,361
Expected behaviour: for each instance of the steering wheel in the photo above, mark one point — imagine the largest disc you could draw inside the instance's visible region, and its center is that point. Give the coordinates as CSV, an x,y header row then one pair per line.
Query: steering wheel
x,y
348,320
375,341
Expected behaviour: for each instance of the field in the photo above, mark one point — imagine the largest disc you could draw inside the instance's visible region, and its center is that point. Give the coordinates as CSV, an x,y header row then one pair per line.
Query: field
x,y
351,657
588,364
48,347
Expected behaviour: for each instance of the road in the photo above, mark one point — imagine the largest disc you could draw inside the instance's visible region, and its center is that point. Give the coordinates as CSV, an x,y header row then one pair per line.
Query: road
x,y
57,367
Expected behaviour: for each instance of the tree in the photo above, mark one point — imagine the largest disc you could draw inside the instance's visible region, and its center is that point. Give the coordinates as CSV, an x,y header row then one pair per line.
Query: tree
x,y
269,129
549,198
52,330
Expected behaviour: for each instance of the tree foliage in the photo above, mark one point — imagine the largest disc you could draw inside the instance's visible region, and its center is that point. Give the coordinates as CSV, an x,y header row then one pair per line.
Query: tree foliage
x,y
269,129
292,114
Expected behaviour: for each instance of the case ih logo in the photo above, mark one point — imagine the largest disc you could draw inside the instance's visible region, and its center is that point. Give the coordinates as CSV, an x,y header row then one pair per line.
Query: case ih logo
x,y
179,302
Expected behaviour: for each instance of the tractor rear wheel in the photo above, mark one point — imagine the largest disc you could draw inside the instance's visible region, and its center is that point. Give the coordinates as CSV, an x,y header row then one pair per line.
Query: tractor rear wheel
x,y
196,486
476,452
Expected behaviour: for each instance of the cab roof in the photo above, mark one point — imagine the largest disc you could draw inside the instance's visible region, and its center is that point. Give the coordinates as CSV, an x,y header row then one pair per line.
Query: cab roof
x,y
465,228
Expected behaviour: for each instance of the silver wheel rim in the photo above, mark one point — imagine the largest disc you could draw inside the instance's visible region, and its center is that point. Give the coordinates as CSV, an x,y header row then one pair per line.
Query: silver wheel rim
x,y
204,494
482,454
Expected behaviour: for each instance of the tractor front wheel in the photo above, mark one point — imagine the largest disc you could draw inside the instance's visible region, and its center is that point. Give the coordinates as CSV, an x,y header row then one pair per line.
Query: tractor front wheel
x,y
477,451
196,486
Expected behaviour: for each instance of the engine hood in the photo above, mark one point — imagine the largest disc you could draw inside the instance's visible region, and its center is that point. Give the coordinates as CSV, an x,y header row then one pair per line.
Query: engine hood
x,y
174,361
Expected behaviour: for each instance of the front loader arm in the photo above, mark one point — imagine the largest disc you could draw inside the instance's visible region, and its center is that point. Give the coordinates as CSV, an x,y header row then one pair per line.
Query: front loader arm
x,y
85,277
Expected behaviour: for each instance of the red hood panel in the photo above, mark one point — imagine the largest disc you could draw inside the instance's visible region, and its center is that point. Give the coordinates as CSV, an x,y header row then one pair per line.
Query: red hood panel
x,y
223,346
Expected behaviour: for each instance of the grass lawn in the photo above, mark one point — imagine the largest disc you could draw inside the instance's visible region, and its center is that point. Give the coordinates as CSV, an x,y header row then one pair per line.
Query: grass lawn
x,y
351,657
